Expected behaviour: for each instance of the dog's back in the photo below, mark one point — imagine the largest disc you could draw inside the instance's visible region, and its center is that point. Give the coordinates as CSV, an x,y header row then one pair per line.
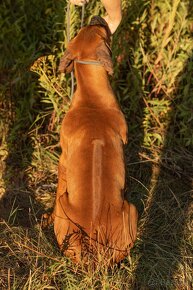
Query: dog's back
x,y
91,215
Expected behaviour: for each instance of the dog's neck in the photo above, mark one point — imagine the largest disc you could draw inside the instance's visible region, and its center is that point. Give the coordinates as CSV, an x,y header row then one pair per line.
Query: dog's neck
x,y
93,87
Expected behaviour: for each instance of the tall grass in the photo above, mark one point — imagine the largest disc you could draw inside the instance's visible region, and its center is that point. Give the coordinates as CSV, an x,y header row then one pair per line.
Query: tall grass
x,y
153,64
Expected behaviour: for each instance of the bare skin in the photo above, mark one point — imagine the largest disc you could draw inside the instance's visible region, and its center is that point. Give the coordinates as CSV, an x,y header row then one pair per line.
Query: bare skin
x,y
113,9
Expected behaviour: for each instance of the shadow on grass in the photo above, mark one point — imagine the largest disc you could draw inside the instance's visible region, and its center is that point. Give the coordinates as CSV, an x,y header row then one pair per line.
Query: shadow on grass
x,y
29,30
164,187
128,86
162,247
164,242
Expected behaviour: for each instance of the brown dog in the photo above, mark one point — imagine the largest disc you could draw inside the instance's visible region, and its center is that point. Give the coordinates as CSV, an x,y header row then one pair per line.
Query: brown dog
x,y
91,216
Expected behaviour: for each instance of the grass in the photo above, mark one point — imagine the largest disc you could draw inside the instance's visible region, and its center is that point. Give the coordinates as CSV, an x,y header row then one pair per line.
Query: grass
x,y
153,64
161,258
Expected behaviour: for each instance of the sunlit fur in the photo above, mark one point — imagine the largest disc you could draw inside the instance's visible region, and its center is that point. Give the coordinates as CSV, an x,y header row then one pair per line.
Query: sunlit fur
x,y
91,218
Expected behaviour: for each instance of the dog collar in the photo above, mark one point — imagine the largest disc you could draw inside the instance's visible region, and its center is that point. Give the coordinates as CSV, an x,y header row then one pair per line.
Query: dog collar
x,y
95,62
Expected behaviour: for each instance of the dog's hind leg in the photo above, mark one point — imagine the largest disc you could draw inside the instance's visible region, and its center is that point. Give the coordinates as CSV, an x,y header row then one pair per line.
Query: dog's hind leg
x,y
62,183
48,219
132,215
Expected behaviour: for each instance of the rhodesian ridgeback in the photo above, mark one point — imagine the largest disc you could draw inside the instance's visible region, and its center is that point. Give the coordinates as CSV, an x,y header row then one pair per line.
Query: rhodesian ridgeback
x,y
91,216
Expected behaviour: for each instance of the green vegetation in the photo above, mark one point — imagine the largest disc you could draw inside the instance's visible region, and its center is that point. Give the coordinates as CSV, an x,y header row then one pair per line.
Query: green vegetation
x,y
153,63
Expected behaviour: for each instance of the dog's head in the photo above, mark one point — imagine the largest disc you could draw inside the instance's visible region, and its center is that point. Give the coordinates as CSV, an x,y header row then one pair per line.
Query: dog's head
x,y
91,43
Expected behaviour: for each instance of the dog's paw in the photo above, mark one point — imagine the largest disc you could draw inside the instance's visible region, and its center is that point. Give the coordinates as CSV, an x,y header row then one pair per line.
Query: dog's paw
x,y
46,220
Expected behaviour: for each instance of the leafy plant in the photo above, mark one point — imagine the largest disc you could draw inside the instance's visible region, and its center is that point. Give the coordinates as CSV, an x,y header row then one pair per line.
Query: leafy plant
x,y
153,66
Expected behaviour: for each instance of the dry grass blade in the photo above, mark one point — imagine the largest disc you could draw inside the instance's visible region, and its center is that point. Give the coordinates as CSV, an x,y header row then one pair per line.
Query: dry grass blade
x,y
153,65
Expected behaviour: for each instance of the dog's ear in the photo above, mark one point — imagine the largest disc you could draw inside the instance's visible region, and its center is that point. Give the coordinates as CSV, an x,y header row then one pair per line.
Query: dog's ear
x,y
97,20
104,56
66,62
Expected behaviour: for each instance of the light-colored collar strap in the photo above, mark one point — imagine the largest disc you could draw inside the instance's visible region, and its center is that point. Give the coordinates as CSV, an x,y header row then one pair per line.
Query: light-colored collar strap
x,y
95,62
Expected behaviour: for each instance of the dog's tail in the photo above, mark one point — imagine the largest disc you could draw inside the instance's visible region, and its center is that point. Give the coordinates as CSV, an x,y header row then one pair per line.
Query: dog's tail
x,y
97,160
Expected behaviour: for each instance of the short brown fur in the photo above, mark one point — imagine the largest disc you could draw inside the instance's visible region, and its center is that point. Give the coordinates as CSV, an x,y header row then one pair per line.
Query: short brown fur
x,y
91,216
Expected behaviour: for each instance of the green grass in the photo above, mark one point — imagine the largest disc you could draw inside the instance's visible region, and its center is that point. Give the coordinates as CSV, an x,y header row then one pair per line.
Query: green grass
x,y
153,63
161,258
